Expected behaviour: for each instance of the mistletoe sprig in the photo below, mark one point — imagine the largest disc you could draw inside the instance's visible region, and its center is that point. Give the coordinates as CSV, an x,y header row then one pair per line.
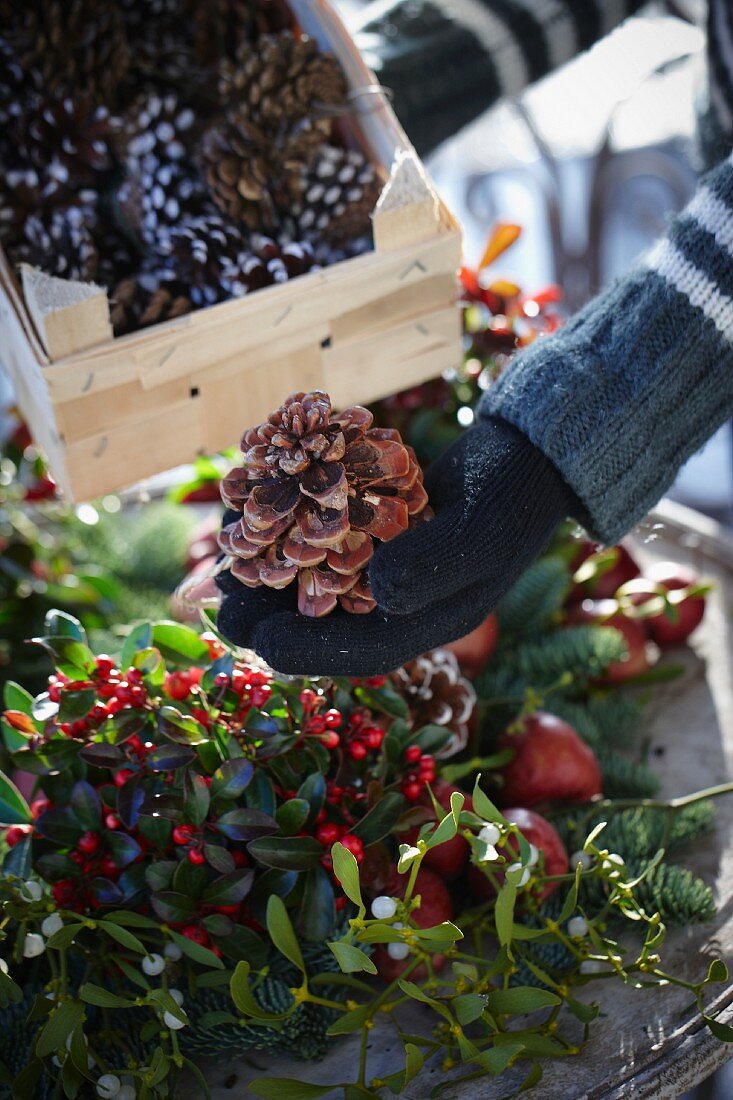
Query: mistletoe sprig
x,y
479,1010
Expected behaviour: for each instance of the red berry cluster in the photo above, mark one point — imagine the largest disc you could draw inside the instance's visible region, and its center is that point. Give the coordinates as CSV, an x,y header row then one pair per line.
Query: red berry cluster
x,y
116,692
323,726
422,770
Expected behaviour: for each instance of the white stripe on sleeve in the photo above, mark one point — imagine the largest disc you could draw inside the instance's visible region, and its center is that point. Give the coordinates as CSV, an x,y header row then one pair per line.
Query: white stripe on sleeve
x,y
694,284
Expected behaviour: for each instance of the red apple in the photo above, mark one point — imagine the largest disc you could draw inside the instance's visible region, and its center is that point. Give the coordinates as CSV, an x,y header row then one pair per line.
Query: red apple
x,y
642,653
475,650
551,763
603,584
435,907
664,630
536,830
447,860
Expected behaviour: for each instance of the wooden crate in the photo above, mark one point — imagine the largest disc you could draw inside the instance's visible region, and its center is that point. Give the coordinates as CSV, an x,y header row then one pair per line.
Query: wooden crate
x,y
109,412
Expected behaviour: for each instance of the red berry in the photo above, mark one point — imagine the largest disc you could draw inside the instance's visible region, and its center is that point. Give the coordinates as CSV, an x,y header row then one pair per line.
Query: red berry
x,y
308,698
182,834
340,903
108,866
228,910
177,685
335,794
413,754
15,834
216,951
196,856
88,843
104,664
333,719
358,750
316,725
412,790
77,857
64,891
260,695
354,845
39,806
121,777
241,859
327,834
195,934
112,821
374,737
221,680
331,739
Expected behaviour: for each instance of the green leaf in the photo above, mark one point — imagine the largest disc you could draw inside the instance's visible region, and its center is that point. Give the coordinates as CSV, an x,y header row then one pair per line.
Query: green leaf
x,y
313,790
483,806
292,815
282,933
318,911
197,798
76,704
504,912
352,960
717,971
232,778
182,728
71,657
195,951
16,697
65,936
351,1021
381,819
448,827
244,999
285,1088
178,643
60,624
293,853
59,1026
123,937
140,637
385,699
468,1007
721,1031
103,998
171,906
246,825
85,805
14,809
229,889
101,754
346,870
521,999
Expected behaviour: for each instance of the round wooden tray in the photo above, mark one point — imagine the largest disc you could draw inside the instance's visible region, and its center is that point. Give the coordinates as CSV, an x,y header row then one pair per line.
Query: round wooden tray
x,y
645,1045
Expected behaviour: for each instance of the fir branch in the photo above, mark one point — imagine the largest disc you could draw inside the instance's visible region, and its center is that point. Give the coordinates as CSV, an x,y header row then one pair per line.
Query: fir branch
x,y
537,596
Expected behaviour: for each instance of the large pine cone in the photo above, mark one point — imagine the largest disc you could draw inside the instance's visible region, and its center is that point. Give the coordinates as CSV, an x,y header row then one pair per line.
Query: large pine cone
x,y
203,252
265,262
61,243
338,192
69,46
437,695
315,489
72,137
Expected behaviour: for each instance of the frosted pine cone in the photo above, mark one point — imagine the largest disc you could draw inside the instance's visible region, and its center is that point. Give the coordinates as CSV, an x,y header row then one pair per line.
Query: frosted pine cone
x,y
437,695
61,243
315,490
338,193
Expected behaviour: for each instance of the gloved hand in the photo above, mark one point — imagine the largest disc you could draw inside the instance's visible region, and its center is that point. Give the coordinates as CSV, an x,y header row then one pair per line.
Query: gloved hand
x,y
497,501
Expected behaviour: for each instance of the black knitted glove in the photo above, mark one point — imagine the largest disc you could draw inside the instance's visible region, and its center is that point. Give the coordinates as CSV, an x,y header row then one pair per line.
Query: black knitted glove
x,y
497,501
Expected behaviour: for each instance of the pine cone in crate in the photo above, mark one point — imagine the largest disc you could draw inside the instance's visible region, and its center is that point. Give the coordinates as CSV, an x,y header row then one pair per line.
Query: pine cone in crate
x,y
222,27
437,694
338,192
146,299
61,243
282,81
315,490
70,138
69,46
203,252
162,50
161,185
264,262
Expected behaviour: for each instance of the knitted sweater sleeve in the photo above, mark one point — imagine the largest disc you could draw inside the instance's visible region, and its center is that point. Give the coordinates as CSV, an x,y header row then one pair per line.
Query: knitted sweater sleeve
x,y
446,61
642,376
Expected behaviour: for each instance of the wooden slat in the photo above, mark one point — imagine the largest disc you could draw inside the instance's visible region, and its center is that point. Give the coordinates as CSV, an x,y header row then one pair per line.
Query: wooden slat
x,y
229,405
97,413
413,301
114,459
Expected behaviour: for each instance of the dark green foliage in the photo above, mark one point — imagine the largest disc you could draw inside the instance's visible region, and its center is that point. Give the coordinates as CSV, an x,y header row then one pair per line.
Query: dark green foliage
x,y
533,601
575,654
675,893
608,717
624,777
640,832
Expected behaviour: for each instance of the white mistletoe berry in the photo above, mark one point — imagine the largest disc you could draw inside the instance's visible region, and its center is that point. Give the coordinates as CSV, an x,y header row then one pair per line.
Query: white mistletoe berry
x,y
34,945
585,859
108,1086
524,877
172,952
172,1021
591,966
398,950
534,855
3,966
153,965
53,923
32,891
577,926
383,907
177,996
490,833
